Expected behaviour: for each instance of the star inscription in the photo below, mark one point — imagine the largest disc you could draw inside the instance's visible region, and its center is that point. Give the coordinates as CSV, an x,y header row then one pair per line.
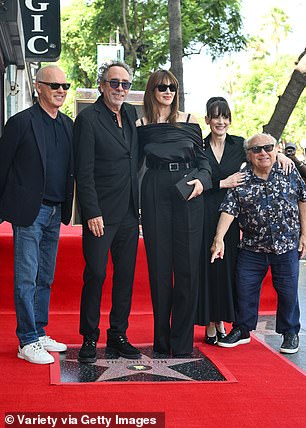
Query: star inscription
x,y
121,367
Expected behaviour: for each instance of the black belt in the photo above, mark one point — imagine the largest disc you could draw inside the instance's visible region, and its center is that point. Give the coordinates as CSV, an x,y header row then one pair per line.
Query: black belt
x,y
172,166
50,203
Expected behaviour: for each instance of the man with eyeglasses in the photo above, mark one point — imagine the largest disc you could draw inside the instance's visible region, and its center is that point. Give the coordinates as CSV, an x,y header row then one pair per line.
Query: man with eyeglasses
x,y
271,210
36,188
106,156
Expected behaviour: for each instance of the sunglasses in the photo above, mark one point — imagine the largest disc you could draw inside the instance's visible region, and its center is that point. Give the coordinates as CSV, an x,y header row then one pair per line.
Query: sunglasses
x,y
54,86
114,84
257,149
162,88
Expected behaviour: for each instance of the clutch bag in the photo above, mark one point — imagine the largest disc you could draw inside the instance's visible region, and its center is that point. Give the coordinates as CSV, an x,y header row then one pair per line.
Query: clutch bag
x,y
184,190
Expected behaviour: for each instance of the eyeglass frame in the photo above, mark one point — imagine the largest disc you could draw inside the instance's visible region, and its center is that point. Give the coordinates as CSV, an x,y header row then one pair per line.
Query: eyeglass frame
x,y
268,148
162,87
58,85
115,83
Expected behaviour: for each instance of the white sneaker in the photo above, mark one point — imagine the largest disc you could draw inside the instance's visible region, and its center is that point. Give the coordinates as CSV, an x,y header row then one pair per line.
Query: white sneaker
x,y
52,345
35,353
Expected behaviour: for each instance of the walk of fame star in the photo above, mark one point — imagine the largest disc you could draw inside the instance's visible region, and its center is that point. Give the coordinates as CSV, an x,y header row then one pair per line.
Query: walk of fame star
x,y
121,367
148,368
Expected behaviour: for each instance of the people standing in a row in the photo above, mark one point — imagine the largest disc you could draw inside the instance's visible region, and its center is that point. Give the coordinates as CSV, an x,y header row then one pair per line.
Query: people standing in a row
x,y
171,141
227,159
271,209
36,187
106,157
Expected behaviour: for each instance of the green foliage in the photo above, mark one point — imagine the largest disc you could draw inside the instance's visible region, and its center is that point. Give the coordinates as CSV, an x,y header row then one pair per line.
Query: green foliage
x,y
144,33
214,24
256,93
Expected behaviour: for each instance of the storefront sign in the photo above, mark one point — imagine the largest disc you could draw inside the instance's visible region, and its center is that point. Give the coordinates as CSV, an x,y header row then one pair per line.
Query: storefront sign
x,y
41,24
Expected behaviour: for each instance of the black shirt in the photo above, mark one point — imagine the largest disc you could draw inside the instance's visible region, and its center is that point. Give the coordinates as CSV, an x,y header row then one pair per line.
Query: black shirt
x,y
125,131
57,159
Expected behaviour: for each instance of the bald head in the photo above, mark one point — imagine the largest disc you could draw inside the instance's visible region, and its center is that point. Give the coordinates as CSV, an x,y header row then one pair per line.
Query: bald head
x,y
51,97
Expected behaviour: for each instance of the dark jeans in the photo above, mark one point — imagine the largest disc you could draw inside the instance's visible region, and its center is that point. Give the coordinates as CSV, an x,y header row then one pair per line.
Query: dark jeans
x,y
251,270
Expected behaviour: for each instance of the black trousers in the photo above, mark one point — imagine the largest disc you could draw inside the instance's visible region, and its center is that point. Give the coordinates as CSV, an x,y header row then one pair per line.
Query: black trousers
x,y
122,240
173,235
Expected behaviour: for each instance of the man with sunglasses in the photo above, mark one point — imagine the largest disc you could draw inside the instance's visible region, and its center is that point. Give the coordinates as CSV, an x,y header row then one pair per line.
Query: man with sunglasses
x,y
36,187
271,210
290,152
106,155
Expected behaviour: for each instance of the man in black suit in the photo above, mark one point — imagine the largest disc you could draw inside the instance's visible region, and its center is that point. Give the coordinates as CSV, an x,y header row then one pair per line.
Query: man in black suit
x,y
106,149
36,187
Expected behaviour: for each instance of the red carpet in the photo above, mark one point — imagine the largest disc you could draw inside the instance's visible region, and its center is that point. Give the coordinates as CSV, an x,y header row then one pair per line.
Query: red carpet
x,y
68,277
269,391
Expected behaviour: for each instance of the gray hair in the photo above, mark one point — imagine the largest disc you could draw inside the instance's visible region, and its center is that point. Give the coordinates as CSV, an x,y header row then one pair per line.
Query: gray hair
x,y
247,142
104,68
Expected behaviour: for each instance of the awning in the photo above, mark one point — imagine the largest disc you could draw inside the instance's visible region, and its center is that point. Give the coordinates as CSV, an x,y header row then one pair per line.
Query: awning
x,y
11,33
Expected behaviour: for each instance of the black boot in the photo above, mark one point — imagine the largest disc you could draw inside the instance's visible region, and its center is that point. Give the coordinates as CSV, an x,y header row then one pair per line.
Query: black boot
x,y
119,343
88,352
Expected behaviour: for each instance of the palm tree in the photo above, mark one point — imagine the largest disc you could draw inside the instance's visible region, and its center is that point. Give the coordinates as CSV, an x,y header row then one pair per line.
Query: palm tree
x,y
176,46
288,100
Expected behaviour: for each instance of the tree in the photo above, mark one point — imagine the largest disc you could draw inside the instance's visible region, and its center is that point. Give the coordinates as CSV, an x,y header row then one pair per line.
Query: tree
x,y
276,26
176,46
288,100
255,93
144,33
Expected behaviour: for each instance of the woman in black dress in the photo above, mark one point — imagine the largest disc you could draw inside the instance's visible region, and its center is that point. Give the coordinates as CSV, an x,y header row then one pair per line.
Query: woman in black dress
x,y
171,141
227,158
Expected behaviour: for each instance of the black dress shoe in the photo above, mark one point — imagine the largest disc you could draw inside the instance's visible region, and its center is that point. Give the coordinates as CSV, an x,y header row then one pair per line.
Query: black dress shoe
x,y
220,335
210,340
88,352
119,343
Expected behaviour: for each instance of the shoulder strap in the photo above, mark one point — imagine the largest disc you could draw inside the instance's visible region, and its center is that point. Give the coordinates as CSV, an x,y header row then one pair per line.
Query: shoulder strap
x,y
188,117
141,121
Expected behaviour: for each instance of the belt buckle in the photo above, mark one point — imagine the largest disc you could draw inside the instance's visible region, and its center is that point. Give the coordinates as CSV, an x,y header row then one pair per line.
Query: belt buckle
x,y
174,166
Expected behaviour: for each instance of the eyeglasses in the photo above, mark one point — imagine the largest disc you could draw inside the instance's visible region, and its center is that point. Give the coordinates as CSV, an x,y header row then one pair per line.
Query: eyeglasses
x,y
257,149
114,84
54,86
162,88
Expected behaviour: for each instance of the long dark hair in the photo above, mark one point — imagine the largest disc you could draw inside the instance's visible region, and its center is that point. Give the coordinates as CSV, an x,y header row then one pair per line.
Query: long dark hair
x,y
149,100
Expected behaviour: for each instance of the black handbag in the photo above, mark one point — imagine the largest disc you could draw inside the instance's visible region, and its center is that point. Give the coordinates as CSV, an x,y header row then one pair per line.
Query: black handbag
x,y
184,190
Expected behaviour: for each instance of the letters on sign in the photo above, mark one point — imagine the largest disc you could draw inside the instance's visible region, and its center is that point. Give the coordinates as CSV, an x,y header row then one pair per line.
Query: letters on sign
x,y
41,22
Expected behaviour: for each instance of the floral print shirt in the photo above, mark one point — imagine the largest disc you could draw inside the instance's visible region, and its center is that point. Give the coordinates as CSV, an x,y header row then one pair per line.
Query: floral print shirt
x,y
267,210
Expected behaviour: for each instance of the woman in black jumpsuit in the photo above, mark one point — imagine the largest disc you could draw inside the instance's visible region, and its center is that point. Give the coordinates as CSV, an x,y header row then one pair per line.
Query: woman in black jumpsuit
x,y
172,227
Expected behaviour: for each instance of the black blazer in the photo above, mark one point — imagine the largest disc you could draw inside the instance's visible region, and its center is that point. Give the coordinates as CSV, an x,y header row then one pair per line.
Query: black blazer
x,y
106,165
23,168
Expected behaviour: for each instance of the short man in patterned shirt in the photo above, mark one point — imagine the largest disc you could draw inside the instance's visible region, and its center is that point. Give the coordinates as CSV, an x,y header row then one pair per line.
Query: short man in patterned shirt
x,y
271,210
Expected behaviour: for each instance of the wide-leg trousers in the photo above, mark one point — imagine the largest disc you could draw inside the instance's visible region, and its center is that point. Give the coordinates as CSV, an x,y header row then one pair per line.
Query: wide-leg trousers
x,y
121,240
173,234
